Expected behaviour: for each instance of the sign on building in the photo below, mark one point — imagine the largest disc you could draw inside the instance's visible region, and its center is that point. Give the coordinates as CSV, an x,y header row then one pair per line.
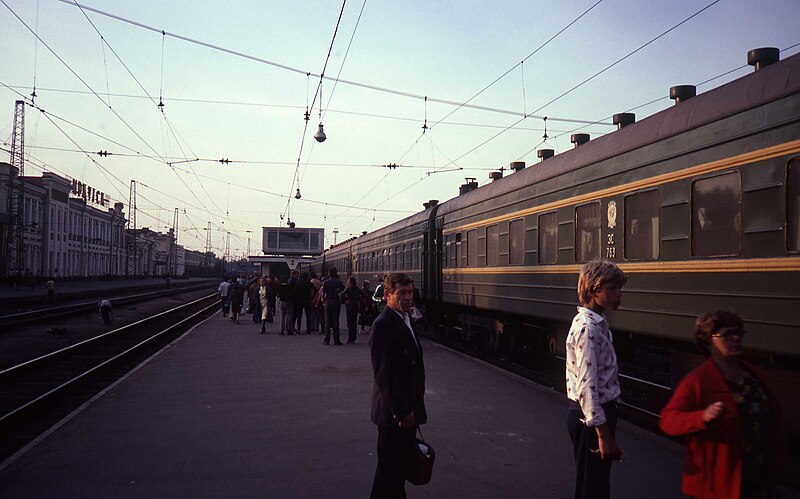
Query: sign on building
x,y
288,241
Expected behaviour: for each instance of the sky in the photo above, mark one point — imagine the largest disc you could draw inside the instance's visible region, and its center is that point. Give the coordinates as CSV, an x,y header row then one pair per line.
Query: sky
x,y
236,78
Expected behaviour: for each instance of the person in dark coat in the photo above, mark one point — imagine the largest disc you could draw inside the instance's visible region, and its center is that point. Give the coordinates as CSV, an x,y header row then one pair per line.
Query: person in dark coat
x,y
398,389
333,306
235,298
303,293
351,296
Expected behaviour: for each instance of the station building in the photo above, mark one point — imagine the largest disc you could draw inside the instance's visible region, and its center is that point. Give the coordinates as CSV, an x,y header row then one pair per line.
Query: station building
x,y
72,231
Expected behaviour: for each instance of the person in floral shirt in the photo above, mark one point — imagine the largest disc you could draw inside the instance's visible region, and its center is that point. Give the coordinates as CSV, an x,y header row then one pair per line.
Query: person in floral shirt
x,y
592,379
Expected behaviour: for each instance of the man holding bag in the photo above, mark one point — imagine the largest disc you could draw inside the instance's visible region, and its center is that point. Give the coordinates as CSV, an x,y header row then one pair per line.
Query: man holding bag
x,y
398,390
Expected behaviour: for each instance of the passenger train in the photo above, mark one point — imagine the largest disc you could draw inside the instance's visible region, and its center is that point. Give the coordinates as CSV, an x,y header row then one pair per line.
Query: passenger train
x,y
699,204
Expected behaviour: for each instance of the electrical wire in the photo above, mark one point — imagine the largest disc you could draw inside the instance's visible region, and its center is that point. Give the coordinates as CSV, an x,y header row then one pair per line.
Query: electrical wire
x,y
297,70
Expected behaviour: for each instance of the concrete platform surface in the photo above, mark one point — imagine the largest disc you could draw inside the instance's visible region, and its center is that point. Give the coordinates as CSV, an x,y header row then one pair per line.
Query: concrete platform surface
x,y
226,412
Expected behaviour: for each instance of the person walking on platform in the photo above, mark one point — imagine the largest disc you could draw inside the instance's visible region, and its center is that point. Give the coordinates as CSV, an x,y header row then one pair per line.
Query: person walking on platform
x,y
285,292
254,303
303,293
351,296
398,388
51,290
235,298
274,284
365,308
263,295
317,285
592,379
378,299
333,306
222,294
318,304
736,447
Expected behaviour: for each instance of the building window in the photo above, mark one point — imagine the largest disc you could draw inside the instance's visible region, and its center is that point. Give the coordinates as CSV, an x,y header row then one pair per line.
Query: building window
x,y
414,255
716,215
548,238
472,248
587,232
793,206
516,242
641,226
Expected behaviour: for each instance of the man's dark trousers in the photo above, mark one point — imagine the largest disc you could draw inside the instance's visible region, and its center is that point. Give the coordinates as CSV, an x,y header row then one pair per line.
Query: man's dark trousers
x,y
593,472
333,309
395,450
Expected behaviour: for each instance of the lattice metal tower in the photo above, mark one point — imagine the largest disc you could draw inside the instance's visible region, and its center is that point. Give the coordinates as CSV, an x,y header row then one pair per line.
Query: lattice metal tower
x,y
173,257
14,258
130,233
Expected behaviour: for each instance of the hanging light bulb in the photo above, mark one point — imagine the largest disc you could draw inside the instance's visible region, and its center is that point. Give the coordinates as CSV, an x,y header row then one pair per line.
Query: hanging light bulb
x,y
297,194
320,135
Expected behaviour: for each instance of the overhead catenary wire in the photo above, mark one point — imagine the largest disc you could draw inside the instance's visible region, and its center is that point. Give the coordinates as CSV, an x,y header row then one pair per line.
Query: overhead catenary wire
x,y
285,67
160,104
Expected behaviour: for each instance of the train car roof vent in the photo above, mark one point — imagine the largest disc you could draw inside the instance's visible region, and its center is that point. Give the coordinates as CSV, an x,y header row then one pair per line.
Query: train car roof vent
x,y
363,233
433,202
579,138
495,175
545,153
680,93
624,119
762,57
517,165
470,185
426,205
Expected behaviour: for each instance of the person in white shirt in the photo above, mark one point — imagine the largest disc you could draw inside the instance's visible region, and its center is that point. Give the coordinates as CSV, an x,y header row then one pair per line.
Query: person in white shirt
x,y
222,294
592,379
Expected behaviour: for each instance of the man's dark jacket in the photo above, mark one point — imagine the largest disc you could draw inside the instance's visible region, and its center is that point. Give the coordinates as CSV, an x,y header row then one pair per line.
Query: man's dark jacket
x,y
399,384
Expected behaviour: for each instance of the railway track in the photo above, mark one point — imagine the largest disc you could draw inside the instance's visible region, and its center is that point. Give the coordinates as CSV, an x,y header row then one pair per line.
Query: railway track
x,y
37,393
8,321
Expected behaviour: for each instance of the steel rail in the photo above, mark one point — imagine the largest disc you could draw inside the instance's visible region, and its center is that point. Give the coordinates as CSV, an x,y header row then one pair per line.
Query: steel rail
x,y
6,417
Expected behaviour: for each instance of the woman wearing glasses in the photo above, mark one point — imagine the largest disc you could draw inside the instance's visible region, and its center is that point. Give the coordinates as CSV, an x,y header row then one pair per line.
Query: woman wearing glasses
x,y
734,426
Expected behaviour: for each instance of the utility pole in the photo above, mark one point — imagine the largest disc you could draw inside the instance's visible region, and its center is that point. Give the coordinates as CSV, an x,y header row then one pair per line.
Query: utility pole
x,y
14,250
227,257
208,248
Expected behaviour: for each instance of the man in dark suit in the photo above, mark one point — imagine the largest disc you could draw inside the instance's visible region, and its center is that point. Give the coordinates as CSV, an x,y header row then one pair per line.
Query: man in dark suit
x,y
398,390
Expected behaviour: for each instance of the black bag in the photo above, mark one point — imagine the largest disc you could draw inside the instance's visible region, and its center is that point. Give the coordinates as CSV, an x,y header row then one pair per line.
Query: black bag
x,y
420,466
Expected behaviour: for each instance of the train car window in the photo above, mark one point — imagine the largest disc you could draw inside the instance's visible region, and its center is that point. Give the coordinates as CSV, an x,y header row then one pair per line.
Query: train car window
x,y
516,242
472,248
406,257
641,225
793,206
587,232
446,252
716,215
548,238
492,245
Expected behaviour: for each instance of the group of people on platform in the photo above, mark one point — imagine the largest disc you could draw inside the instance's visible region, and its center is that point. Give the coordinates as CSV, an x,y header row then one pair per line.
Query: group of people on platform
x,y
732,422
302,294
733,425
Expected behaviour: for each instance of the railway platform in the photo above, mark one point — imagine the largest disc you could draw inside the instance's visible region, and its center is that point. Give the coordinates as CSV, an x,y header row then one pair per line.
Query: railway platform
x,y
227,412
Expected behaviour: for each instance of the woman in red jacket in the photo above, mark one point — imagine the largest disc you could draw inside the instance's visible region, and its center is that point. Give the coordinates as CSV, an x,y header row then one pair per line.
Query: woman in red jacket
x,y
734,426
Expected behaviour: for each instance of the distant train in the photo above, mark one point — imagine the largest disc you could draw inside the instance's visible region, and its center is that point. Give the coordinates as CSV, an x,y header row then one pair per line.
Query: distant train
x,y
699,204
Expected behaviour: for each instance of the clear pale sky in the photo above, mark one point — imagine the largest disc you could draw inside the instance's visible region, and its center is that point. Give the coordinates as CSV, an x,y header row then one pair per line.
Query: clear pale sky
x,y
218,105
